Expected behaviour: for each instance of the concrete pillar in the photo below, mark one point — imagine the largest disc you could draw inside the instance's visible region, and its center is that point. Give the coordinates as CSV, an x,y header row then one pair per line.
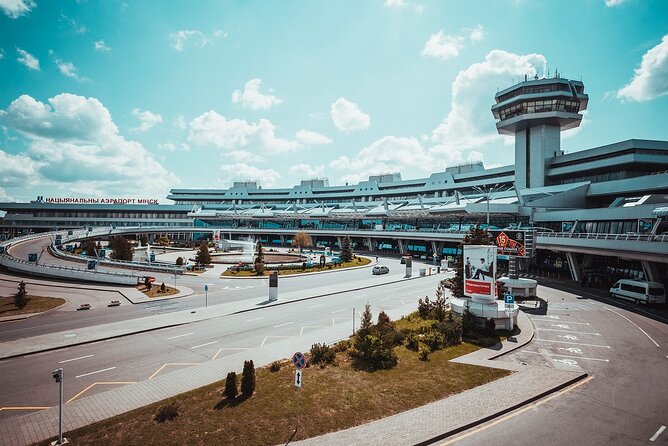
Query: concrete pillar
x,y
401,246
370,244
339,241
650,270
573,266
282,240
434,248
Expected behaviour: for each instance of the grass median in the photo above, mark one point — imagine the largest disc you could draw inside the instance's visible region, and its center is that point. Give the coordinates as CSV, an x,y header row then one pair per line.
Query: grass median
x,y
36,304
333,398
288,271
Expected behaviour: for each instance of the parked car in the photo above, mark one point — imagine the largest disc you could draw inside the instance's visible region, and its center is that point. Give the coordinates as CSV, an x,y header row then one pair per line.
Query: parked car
x,y
639,291
377,270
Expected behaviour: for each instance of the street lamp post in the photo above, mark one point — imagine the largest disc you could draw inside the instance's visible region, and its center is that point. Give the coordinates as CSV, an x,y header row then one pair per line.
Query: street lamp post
x,y
58,376
487,193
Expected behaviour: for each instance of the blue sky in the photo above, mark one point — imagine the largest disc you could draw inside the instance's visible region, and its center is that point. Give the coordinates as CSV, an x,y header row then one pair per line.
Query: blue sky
x,y
123,98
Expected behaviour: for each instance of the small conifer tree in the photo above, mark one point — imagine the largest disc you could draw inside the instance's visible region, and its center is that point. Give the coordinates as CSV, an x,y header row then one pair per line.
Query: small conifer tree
x,y
346,249
21,297
230,391
248,379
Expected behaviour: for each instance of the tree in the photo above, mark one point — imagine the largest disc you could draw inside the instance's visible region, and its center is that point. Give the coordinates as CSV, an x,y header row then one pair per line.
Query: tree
x,y
147,283
366,323
248,379
21,297
203,257
346,249
163,288
163,241
259,259
441,308
230,391
121,248
88,246
302,240
143,240
179,261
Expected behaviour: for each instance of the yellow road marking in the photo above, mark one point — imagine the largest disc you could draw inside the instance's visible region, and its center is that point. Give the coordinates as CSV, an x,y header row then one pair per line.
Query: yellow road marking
x,y
106,383
171,363
517,412
25,408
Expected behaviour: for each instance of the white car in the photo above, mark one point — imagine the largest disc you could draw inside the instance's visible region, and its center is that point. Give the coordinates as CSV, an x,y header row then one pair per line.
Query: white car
x,y
378,270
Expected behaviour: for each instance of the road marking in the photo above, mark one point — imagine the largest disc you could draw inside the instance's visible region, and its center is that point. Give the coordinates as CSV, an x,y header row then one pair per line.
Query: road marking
x,y
70,335
204,345
340,319
24,408
570,331
171,363
561,321
338,311
116,383
644,332
283,325
657,433
518,412
316,306
572,343
228,348
579,357
403,303
255,319
301,332
180,336
97,371
75,359
269,337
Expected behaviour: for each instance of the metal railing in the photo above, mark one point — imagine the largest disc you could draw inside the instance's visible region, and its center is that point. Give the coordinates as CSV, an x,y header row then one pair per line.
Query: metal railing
x,y
594,236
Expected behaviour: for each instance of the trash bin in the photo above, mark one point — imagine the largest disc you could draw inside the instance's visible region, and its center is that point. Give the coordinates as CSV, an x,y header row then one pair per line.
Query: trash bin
x,y
423,272
438,270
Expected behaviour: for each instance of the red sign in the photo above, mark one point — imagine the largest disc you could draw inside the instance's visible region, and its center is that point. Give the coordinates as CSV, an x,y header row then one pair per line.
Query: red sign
x,y
75,200
152,279
511,243
474,287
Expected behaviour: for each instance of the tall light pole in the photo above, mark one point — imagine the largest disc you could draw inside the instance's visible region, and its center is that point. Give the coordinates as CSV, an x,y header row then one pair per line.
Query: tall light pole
x,y
487,193
58,376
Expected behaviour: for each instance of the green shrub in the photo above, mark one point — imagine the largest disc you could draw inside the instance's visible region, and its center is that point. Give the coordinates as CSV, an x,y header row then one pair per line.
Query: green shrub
x,y
413,342
486,341
342,346
275,367
248,379
167,412
230,391
322,354
424,352
490,328
468,323
451,328
434,340
378,354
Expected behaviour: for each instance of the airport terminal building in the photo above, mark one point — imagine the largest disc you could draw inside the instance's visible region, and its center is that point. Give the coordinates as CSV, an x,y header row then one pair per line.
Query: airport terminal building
x,y
600,211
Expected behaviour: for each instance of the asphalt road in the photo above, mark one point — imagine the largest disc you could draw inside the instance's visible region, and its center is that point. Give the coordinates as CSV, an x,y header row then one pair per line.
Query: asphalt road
x,y
140,357
623,350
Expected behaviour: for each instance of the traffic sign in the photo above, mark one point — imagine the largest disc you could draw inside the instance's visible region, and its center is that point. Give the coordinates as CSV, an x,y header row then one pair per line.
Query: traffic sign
x,y
151,279
299,377
509,299
299,360
206,287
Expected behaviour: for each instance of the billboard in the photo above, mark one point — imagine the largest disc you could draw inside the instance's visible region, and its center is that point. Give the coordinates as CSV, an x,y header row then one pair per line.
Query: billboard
x,y
480,272
216,235
510,243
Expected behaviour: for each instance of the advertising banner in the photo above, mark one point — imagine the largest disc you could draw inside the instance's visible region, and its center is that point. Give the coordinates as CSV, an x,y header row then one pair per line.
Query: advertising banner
x,y
510,243
216,236
480,271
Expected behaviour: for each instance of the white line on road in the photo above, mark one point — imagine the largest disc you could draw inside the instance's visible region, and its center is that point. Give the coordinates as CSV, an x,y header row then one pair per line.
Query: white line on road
x,y
561,321
316,306
573,343
580,357
93,373
644,332
180,336
204,345
283,325
255,319
338,311
569,331
657,433
75,359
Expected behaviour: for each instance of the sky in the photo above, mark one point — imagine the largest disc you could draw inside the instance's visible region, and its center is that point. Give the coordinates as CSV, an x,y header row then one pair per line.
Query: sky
x,y
133,98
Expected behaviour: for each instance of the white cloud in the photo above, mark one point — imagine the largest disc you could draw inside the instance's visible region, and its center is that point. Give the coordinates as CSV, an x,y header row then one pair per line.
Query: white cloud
x,y
77,27
2,53
147,119
28,59
244,172
74,143
180,122
398,4
16,8
650,80
180,38
170,146
305,171
66,68
445,46
348,117
213,129
470,124
245,155
16,170
101,46
5,197
611,3
252,98
310,138
219,33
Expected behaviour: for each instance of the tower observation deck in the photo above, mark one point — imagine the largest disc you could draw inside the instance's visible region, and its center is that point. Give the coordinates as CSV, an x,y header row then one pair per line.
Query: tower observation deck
x,y
536,111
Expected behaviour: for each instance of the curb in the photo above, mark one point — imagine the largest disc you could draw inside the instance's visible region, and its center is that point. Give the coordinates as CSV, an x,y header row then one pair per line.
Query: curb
x,y
287,276
533,333
501,412
200,320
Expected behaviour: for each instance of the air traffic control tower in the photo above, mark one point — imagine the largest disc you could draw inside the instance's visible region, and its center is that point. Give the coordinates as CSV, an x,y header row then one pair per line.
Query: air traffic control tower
x,y
536,111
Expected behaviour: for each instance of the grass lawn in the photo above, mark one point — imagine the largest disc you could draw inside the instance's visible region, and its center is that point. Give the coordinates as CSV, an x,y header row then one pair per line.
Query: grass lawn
x,y
155,290
333,398
360,261
36,304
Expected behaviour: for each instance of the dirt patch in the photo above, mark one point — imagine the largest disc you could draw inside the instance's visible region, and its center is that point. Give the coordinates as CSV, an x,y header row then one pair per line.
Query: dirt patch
x,y
36,304
155,291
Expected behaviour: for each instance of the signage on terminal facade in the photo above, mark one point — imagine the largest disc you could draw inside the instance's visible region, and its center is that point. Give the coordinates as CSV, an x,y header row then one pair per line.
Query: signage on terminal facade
x,y
75,200
510,242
